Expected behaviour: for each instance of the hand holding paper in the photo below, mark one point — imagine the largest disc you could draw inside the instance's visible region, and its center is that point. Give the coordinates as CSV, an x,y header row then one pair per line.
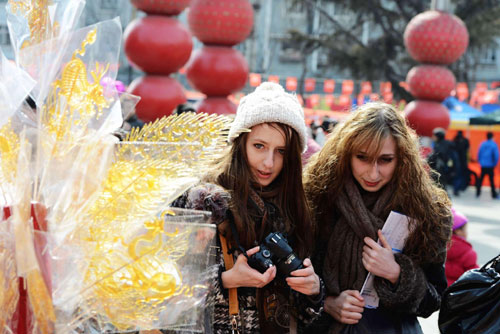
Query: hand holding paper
x,y
379,260
392,236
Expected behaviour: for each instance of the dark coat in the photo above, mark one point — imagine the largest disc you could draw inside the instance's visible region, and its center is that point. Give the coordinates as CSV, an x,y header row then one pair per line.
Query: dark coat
x,y
417,294
213,198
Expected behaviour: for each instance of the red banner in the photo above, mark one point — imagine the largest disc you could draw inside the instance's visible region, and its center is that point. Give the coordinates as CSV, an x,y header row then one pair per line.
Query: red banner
x,y
273,78
329,86
347,87
309,84
254,79
291,84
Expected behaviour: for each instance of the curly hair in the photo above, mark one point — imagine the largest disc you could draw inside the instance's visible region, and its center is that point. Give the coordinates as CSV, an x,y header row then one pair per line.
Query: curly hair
x,y
232,172
415,193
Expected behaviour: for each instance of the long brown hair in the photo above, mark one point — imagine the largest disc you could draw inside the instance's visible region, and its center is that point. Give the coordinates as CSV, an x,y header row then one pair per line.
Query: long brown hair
x,y
415,194
233,173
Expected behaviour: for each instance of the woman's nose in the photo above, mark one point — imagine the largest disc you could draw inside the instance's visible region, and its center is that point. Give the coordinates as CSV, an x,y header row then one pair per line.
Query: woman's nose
x,y
269,160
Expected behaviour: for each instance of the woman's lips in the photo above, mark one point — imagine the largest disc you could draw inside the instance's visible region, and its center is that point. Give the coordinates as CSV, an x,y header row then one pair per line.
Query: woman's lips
x,y
264,175
371,184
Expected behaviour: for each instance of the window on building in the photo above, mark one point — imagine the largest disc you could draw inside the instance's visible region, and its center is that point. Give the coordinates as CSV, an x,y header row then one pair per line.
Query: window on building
x,y
4,35
290,51
488,55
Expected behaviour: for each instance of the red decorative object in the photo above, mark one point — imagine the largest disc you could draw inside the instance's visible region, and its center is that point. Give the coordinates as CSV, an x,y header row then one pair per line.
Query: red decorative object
x,y
157,44
329,86
160,95
220,22
424,116
309,84
217,70
436,37
291,84
430,82
217,105
165,7
22,319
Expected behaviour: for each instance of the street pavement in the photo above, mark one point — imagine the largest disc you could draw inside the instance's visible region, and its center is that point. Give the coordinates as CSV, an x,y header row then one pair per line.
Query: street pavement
x,y
483,232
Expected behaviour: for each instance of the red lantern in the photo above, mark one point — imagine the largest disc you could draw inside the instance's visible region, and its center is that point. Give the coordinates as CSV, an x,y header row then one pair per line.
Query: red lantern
x,y
157,44
436,37
160,95
217,71
169,7
217,105
424,116
221,22
430,82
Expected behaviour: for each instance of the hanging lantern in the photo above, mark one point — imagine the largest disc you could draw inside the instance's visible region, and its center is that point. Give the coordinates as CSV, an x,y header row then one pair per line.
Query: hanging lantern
x,y
430,82
165,7
157,44
217,105
424,116
221,22
436,37
160,95
217,70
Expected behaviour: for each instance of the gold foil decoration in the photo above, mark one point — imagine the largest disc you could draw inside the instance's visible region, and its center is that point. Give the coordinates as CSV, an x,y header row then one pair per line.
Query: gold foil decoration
x,y
9,150
151,276
74,100
133,274
9,288
37,14
41,302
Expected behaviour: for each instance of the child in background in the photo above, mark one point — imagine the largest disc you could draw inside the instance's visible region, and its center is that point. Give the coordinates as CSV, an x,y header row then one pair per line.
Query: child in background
x,y
461,256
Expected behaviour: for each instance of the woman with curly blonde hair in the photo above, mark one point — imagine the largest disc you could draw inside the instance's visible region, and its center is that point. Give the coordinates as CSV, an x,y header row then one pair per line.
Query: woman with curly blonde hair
x,y
369,167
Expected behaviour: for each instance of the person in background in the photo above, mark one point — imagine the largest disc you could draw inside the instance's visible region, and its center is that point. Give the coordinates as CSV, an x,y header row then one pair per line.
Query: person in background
x,y
461,256
312,147
487,157
461,178
442,159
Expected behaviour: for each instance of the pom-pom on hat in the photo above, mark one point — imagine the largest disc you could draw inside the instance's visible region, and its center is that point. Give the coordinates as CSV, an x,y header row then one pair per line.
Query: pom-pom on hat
x,y
269,103
459,219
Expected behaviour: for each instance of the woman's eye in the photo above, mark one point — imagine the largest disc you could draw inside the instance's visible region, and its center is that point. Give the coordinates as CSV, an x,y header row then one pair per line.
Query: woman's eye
x,y
386,160
258,146
281,151
361,157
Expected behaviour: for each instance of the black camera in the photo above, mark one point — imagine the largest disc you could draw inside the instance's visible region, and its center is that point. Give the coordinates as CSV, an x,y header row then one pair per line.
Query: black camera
x,y
275,250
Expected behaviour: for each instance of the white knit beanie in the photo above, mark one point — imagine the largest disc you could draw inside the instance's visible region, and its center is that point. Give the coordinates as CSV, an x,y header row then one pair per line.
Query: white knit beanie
x,y
269,103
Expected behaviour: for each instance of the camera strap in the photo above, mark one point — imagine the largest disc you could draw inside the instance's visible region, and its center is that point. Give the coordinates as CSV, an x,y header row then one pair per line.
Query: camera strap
x,y
235,235
234,309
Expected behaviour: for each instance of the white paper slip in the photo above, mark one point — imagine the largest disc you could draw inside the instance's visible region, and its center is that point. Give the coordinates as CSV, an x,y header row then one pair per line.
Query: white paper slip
x,y
395,230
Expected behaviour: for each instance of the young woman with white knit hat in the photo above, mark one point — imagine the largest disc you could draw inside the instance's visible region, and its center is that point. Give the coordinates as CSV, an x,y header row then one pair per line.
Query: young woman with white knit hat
x,y
255,192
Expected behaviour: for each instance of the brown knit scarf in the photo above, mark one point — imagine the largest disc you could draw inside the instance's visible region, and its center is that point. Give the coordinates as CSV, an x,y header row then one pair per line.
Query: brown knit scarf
x,y
360,215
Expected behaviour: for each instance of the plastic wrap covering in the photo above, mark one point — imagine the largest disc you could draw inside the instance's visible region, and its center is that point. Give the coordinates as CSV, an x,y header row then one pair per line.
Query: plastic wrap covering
x,y
87,240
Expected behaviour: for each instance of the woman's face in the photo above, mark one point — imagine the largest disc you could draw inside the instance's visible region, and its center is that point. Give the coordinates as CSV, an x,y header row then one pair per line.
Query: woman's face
x,y
265,148
373,174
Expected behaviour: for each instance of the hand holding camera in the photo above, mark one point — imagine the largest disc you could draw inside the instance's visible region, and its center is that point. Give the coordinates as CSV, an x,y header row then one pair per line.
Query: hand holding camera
x,y
276,251
242,275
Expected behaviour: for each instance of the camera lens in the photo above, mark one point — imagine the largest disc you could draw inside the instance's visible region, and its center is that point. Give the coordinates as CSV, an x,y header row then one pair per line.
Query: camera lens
x,y
266,253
